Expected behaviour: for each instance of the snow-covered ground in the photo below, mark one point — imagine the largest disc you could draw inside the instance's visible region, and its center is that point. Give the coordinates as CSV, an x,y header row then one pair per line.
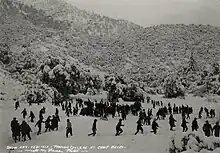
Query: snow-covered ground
x,y
151,12
148,142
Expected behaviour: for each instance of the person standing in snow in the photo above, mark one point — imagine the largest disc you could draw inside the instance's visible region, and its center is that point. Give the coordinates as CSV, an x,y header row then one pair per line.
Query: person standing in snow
x,y
139,126
57,119
216,129
67,112
41,114
195,124
118,128
15,128
32,116
39,124
200,112
123,114
94,129
24,113
212,113
63,106
207,112
57,111
172,122
155,126
17,105
25,131
69,128
184,124
207,128
47,124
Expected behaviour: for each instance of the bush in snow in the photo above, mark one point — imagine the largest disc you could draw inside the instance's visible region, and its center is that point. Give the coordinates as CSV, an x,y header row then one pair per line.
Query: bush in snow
x,y
67,78
118,88
195,141
173,88
4,53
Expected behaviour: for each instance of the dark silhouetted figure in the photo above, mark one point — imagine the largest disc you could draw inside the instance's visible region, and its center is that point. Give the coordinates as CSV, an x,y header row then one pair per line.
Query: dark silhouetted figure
x,y
17,105
154,126
39,124
184,124
207,129
69,128
139,126
118,128
200,112
195,124
216,129
25,131
212,113
172,122
94,129
15,128
32,116
47,124
24,113
57,119
57,111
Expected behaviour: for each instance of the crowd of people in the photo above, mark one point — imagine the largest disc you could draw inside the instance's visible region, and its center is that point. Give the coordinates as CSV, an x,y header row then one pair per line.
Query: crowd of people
x,y
105,109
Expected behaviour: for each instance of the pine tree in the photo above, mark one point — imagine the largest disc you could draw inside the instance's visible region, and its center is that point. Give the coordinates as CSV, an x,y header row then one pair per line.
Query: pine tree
x,y
192,64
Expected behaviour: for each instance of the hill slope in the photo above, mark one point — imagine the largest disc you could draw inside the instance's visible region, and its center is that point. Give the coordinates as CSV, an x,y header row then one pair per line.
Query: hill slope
x,y
147,55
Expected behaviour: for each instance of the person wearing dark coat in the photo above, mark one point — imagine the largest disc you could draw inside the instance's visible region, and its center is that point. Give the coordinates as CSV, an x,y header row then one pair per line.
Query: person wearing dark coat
x,y
200,112
148,119
216,129
123,114
17,105
18,131
57,111
144,115
25,131
118,128
41,117
47,124
184,125
207,112
63,106
212,113
170,110
57,119
172,122
15,128
69,128
94,129
32,116
195,124
139,126
24,113
155,126
53,122
207,128
39,124
67,112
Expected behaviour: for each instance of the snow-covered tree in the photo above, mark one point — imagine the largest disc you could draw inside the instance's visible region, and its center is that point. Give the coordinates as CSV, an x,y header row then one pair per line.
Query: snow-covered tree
x,y
173,88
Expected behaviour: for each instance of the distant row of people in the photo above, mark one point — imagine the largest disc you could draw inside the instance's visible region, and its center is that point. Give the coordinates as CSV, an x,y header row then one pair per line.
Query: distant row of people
x,y
103,109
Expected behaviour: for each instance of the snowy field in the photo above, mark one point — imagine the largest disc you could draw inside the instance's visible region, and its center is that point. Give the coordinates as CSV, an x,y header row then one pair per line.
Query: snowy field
x,y
147,143
153,12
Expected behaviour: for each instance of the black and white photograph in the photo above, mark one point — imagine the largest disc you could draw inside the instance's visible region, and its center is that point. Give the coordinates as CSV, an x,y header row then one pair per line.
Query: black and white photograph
x,y
109,76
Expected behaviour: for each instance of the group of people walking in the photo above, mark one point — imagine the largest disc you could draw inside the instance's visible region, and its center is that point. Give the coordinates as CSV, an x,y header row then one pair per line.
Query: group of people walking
x,y
104,109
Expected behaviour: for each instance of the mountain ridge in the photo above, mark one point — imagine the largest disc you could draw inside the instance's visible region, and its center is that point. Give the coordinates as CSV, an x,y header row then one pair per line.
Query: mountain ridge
x,y
144,55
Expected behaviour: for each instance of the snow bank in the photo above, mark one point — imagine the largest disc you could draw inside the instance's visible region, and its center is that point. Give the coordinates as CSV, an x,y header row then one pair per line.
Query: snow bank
x,y
191,142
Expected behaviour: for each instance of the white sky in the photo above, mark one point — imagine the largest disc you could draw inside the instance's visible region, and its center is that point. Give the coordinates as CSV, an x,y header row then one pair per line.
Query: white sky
x,y
151,12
